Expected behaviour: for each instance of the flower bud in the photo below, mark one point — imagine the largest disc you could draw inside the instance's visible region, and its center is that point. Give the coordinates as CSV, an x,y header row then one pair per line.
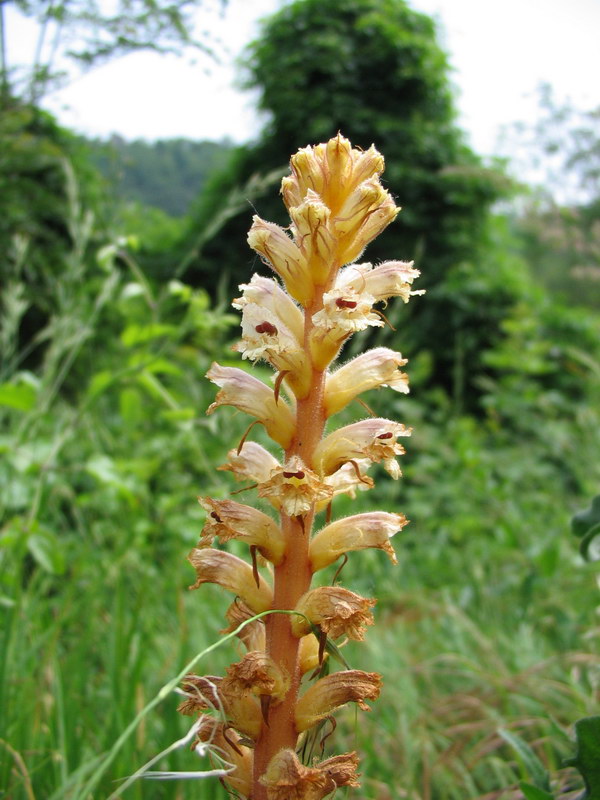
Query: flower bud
x,y
312,233
284,256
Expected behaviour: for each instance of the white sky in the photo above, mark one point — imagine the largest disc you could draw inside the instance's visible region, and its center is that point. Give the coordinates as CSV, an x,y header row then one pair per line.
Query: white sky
x,y
500,51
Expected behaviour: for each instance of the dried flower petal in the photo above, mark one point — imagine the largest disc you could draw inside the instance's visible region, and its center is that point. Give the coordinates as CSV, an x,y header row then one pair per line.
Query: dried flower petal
x,y
212,731
219,694
342,769
358,532
229,571
258,674
334,691
250,395
287,779
378,367
294,488
337,611
253,634
230,520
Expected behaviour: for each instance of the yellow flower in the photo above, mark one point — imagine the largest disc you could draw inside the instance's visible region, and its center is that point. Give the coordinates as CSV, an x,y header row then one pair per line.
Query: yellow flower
x,y
284,256
358,532
250,395
375,368
374,439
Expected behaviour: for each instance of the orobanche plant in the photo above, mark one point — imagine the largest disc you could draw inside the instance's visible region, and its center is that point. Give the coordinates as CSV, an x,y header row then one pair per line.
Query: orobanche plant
x,y
265,710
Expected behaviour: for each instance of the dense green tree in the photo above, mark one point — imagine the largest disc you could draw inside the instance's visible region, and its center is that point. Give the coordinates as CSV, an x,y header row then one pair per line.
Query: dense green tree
x,y
374,70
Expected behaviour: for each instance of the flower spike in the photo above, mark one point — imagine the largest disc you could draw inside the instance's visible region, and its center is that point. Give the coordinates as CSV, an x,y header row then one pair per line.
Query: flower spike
x,y
297,321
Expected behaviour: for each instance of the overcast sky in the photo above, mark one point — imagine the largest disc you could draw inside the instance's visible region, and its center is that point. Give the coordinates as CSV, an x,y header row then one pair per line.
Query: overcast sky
x,y
500,51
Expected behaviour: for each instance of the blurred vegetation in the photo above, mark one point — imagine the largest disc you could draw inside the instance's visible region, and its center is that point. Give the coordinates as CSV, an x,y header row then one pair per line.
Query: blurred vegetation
x,y
488,632
167,174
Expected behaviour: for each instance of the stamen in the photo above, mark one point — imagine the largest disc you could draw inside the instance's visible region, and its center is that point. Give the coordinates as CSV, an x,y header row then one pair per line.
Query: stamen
x,y
266,327
255,574
341,303
384,318
244,489
279,380
359,475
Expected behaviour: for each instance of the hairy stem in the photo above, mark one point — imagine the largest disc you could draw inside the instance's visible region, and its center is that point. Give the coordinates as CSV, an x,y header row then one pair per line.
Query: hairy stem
x,y
292,579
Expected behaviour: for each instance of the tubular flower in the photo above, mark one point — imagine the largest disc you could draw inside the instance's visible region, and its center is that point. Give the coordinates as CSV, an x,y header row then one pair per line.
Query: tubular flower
x,y
252,634
212,731
372,369
333,691
374,439
259,674
284,256
390,279
297,321
230,520
230,572
268,294
358,532
223,696
266,335
248,394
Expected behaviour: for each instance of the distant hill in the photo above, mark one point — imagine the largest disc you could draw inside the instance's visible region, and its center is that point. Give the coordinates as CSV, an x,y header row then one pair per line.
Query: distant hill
x,y
167,174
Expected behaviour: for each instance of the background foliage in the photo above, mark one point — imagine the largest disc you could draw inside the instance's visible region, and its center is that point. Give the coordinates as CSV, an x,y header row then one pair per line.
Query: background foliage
x,y
111,313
